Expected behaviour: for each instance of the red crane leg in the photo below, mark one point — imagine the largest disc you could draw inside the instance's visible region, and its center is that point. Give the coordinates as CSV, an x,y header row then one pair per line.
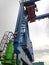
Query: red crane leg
x,y
31,13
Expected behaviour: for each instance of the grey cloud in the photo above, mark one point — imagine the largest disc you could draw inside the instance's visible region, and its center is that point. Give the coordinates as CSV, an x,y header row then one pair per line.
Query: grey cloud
x,y
8,15
47,21
39,53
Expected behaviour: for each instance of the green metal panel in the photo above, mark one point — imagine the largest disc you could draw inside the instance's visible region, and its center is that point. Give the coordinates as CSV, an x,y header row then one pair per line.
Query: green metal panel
x,y
8,58
9,54
15,59
21,63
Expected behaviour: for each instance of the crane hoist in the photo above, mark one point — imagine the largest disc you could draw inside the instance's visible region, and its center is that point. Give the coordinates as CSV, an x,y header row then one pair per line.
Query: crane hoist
x,y
19,50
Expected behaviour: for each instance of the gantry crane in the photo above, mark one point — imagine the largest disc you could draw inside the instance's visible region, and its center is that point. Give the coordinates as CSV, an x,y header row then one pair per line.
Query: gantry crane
x,y
19,49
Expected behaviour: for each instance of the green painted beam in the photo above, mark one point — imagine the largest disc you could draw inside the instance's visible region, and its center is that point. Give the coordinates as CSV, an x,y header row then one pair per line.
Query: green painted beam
x,y
9,57
9,54
21,63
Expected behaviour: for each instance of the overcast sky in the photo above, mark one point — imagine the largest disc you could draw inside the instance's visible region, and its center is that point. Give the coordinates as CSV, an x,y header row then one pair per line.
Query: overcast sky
x,y
39,30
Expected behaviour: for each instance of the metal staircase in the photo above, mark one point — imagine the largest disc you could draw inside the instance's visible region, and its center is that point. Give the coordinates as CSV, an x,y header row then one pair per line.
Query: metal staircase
x,y
4,42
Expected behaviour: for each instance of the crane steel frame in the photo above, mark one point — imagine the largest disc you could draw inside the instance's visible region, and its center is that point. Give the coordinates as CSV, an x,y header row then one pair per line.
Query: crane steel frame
x,y
23,49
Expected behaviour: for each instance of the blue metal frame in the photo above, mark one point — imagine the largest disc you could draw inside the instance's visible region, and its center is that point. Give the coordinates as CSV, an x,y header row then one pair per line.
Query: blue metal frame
x,y
30,2
23,35
42,16
22,39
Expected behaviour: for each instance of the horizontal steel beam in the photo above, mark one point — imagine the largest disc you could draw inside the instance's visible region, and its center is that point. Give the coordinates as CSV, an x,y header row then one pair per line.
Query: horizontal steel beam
x,y
42,16
29,2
